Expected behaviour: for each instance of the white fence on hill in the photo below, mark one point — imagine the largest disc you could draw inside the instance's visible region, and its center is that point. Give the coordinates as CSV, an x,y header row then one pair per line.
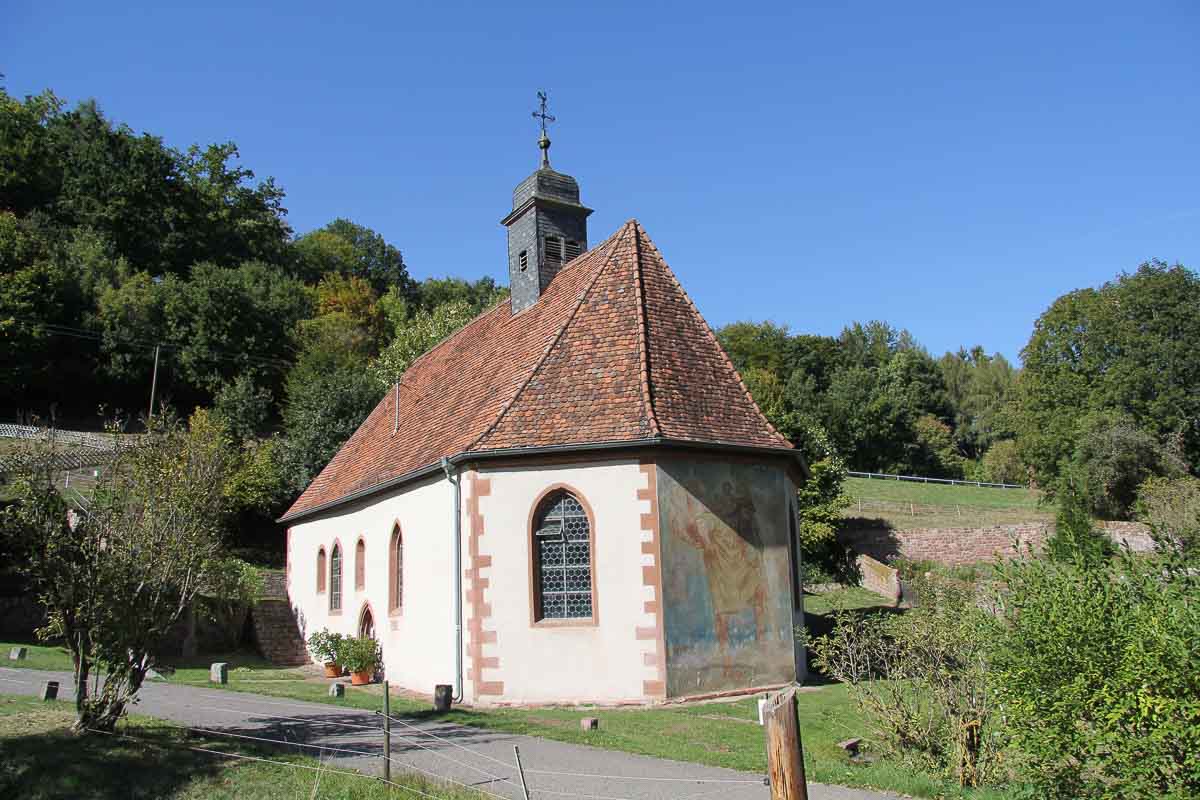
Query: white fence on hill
x,y
917,478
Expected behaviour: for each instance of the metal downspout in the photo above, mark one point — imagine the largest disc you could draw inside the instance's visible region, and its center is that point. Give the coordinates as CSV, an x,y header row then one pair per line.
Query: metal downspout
x,y
456,481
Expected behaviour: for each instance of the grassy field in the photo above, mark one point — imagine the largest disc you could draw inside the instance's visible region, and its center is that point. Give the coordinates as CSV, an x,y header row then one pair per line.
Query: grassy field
x,y
41,760
907,504
724,734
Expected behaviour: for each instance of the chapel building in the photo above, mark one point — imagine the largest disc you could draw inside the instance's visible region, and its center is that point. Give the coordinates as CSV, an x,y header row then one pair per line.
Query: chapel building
x,y
572,499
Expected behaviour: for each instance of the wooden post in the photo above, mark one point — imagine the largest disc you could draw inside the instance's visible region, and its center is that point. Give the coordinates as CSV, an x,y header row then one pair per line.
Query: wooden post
x,y
387,733
785,753
521,771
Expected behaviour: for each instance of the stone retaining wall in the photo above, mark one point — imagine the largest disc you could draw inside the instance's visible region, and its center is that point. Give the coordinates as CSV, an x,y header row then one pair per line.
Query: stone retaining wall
x,y
955,546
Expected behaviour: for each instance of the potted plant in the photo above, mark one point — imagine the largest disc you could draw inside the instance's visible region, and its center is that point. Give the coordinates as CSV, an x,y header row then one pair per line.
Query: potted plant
x,y
360,655
326,647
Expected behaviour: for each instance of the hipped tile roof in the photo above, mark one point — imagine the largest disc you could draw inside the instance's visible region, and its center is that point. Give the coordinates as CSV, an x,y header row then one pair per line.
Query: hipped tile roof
x,y
613,351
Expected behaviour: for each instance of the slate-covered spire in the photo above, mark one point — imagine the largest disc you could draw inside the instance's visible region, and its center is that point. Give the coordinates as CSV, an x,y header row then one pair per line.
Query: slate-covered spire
x,y
547,226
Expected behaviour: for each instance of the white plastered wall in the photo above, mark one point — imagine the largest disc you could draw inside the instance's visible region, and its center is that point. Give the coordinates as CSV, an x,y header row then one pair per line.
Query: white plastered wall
x,y
417,643
607,662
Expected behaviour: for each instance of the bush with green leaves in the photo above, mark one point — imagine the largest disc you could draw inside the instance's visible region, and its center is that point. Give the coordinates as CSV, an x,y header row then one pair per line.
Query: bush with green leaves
x,y
326,646
1171,507
1098,673
921,678
359,654
1076,539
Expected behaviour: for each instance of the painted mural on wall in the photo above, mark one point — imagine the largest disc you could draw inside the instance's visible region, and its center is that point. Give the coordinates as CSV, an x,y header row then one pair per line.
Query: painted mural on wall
x,y
726,589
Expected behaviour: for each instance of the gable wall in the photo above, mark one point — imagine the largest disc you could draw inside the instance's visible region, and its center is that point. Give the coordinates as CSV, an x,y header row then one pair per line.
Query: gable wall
x,y
512,658
417,643
730,608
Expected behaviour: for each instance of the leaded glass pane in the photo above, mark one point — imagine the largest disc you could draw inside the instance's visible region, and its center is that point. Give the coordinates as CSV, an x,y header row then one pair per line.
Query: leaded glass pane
x,y
335,579
563,551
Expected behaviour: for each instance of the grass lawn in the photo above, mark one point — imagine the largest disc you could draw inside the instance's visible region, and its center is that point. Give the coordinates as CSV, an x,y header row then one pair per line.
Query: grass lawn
x,y
905,504
723,734
41,760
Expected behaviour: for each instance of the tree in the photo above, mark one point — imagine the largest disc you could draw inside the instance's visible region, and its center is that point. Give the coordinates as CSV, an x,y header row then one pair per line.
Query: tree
x,y
115,575
1076,539
1002,464
757,345
345,248
977,387
1112,459
1171,507
1125,348
421,332
228,321
1098,673
479,294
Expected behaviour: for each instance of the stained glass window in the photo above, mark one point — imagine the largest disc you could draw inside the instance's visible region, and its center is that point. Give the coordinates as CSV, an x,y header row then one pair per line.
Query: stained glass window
x,y
563,558
335,579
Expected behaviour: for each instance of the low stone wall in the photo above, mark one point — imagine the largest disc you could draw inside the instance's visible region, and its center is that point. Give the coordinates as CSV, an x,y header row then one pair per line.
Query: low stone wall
x,y
879,578
950,546
955,546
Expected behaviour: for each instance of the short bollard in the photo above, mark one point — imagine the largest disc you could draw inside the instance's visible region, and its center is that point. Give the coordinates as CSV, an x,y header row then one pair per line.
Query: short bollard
x,y
337,690
589,723
17,654
50,690
443,694
219,672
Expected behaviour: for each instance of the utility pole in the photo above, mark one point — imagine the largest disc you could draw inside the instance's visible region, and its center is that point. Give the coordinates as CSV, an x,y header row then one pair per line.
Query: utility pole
x,y
153,384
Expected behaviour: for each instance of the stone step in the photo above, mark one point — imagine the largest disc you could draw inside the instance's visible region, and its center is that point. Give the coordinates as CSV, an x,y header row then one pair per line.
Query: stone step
x,y
277,633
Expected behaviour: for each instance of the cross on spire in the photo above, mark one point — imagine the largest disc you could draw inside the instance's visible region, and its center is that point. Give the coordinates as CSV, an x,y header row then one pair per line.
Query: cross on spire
x,y
543,118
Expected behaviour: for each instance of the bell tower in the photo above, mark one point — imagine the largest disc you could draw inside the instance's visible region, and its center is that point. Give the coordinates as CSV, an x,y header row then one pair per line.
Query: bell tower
x,y
547,226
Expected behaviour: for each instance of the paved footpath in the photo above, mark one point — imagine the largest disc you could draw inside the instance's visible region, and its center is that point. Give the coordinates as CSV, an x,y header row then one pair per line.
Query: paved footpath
x,y
479,758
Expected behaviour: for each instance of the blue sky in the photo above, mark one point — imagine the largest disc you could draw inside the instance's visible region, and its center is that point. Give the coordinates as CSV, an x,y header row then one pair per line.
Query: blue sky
x,y
949,167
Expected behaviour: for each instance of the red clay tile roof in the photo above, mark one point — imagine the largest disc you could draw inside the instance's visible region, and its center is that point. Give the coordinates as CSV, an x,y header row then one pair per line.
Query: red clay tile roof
x,y
613,351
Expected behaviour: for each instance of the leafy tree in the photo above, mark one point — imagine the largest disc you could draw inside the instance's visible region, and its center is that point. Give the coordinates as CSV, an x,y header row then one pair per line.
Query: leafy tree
x,y
321,414
771,396
479,295
1125,348
935,454
1171,507
978,387
229,321
1002,464
116,575
243,408
1076,539
1112,459
422,331
757,345
1099,676
345,248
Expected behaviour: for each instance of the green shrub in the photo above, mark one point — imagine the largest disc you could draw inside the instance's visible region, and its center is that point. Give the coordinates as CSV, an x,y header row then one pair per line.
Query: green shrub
x,y
1112,459
359,654
1002,464
326,646
921,678
1171,507
1076,539
1098,672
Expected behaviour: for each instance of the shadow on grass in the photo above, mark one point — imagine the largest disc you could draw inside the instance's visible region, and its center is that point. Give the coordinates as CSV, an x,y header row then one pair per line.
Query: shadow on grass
x,y
59,764
822,624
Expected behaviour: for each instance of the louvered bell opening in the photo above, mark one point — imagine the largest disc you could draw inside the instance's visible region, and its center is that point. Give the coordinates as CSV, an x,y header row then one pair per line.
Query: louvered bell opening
x,y
524,259
573,250
554,252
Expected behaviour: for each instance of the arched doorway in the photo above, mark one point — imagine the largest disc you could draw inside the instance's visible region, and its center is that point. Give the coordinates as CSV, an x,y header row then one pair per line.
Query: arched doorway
x,y
366,624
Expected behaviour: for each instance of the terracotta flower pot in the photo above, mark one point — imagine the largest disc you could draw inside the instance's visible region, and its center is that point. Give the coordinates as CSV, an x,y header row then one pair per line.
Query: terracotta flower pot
x,y
360,678
333,669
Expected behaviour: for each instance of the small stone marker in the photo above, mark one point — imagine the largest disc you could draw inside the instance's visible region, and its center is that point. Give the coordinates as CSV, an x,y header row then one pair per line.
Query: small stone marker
x,y
850,746
443,695
337,690
50,690
219,672
18,654
762,702
589,723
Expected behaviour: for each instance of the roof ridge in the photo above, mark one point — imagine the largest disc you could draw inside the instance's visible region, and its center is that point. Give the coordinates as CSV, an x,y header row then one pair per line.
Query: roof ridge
x,y
712,336
611,244
643,350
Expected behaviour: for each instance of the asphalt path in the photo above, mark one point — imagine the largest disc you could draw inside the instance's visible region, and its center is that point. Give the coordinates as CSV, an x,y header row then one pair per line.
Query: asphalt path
x,y
347,738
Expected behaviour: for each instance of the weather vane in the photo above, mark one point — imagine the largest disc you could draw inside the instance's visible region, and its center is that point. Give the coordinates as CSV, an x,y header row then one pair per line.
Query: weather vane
x,y
543,118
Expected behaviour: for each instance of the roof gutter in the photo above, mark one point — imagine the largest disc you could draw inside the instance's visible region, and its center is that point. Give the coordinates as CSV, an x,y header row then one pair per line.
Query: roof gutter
x,y
510,452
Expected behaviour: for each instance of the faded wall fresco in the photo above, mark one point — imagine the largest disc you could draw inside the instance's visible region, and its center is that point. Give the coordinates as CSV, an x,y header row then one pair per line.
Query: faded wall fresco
x,y
726,589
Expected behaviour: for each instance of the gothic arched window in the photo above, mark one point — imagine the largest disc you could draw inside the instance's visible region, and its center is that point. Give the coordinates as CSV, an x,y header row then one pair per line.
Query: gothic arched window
x,y
360,565
335,578
562,558
320,569
395,571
